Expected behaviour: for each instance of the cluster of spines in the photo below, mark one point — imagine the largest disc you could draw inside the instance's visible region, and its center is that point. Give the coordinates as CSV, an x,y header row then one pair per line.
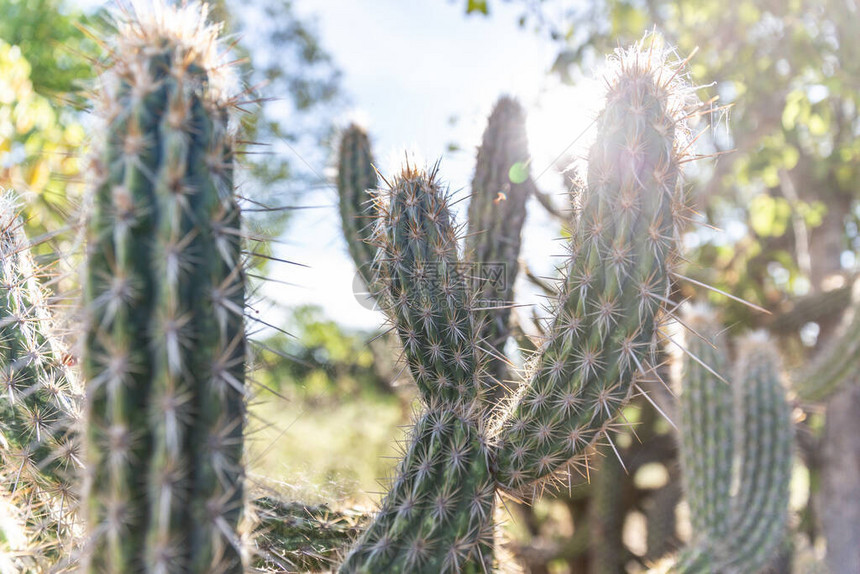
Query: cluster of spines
x,y
356,175
164,349
497,211
39,403
616,283
737,453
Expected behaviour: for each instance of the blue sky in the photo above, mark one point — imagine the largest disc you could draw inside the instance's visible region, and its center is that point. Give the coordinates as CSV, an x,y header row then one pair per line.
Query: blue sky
x,y
408,67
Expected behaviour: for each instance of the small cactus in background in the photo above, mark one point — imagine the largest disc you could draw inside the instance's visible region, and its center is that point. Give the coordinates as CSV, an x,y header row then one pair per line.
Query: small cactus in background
x,y
294,537
164,295
356,175
734,433
838,362
437,516
39,405
501,187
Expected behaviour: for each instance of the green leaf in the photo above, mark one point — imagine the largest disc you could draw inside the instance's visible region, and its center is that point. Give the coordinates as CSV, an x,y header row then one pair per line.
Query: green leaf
x,y
477,6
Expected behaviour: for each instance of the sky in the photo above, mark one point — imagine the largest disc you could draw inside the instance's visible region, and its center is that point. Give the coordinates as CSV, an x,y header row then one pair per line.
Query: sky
x,y
408,68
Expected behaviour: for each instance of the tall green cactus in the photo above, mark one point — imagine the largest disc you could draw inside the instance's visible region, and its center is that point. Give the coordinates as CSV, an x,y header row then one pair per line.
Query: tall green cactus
x,y
501,187
39,403
616,281
741,433
437,516
355,176
164,354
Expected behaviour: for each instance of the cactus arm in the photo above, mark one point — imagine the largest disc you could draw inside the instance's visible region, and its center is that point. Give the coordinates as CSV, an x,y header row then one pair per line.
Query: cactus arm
x,y
164,353
607,314
497,212
425,290
355,176
838,362
706,406
747,536
606,516
437,516
760,508
39,402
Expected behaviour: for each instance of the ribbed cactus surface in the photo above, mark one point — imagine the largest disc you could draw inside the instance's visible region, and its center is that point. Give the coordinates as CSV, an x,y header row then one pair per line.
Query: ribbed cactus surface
x,y
437,516
355,176
39,404
616,280
164,352
501,187
706,407
302,538
736,445
426,294
763,418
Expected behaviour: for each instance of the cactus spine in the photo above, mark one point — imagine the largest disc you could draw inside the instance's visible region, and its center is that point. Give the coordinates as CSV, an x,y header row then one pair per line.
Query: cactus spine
x,y
39,400
497,211
735,531
355,176
437,516
164,350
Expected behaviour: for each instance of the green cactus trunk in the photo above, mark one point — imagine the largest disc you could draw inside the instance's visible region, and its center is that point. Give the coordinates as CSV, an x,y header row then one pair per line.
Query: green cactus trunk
x,y
497,211
437,517
164,299
736,530
617,280
606,516
356,175
39,404
763,417
706,406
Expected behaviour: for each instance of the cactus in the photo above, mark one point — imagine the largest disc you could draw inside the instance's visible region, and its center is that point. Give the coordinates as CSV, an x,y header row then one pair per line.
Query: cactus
x,y
837,364
355,176
497,212
616,282
39,403
735,530
164,348
437,516
606,516
303,538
